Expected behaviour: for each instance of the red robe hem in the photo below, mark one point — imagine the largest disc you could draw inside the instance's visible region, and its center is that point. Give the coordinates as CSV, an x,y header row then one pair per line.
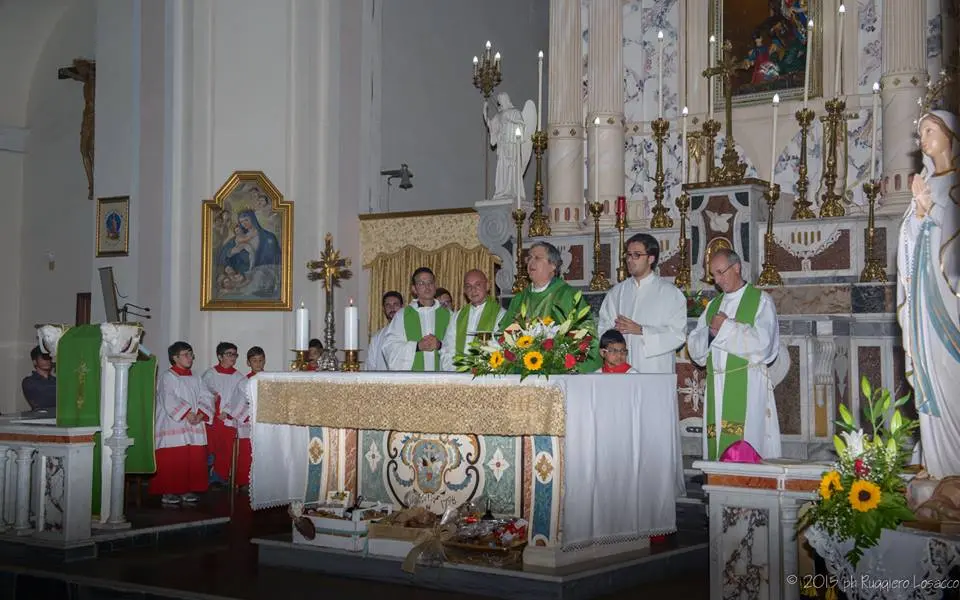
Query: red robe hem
x,y
180,470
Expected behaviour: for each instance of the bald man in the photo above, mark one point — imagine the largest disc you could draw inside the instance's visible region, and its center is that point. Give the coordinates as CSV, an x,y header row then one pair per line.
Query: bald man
x,y
483,313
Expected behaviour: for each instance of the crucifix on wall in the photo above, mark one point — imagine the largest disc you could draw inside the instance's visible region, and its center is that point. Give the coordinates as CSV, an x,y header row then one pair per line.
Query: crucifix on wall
x,y
85,71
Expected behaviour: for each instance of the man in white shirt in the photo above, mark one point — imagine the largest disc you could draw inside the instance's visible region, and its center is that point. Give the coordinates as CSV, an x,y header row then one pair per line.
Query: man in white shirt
x,y
413,338
736,338
483,313
650,313
391,303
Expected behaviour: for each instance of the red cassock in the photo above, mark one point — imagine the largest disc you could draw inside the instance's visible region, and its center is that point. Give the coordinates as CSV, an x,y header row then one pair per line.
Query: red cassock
x,y
181,449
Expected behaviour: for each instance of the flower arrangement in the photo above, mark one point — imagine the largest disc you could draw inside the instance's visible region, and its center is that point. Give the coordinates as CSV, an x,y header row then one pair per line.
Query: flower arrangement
x,y
696,303
863,493
533,346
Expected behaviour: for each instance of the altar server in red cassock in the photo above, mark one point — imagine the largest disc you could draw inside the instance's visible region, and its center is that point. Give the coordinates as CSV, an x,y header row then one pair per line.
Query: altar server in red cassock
x,y
183,405
240,410
222,380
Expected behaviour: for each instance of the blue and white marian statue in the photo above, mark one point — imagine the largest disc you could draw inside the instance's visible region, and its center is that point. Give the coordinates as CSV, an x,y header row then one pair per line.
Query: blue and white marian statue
x,y
928,293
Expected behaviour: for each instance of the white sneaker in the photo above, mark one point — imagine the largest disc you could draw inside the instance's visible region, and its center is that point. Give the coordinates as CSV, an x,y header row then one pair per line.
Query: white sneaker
x,y
170,499
190,498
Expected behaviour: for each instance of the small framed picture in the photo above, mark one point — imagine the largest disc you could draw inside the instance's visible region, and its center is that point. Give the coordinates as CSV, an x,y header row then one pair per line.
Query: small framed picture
x,y
113,226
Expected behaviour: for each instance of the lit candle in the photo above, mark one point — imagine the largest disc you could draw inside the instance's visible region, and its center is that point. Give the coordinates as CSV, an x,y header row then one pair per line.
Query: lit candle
x,y
713,58
488,49
476,65
351,335
496,58
302,341
540,91
596,160
660,75
806,72
876,121
836,79
519,134
683,147
621,205
773,139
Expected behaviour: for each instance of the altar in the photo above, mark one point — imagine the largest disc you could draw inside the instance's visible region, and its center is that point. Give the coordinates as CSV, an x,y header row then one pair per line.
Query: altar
x,y
592,462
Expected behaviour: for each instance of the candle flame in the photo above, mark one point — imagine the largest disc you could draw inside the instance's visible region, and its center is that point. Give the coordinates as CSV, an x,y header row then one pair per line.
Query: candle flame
x,y
810,24
519,132
488,44
475,60
842,9
351,301
684,112
301,304
540,54
496,56
776,98
596,121
876,87
660,35
713,39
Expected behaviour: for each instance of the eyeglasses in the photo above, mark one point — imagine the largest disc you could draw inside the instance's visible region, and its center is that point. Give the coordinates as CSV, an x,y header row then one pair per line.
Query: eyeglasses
x,y
720,274
186,354
635,255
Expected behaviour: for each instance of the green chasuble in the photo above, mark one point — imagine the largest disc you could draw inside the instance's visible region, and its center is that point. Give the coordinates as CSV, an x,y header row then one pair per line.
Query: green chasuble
x,y
411,327
734,404
487,322
78,400
556,302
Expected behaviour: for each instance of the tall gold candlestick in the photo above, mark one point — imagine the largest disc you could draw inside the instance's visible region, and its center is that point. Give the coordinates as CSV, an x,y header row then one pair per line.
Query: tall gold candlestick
x,y
661,214
832,122
622,271
521,280
682,279
769,275
801,206
539,222
300,362
599,282
873,270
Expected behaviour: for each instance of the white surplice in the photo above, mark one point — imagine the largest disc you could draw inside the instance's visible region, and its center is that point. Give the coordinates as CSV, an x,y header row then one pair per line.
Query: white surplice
x,y
225,385
178,395
375,360
397,351
759,345
449,349
661,309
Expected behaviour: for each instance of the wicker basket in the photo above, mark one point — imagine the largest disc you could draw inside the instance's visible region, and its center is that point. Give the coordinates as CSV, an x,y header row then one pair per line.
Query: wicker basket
x,y
394,532
502,557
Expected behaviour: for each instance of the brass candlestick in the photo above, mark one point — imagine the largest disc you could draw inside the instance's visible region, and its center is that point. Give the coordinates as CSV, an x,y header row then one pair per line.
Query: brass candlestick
x,y
300,362
599,282
832,122
622,272
661,214
801,206
539,222
873,270
682,279
710,130
732,170
331,269
351,361
769,275
521,280
486,71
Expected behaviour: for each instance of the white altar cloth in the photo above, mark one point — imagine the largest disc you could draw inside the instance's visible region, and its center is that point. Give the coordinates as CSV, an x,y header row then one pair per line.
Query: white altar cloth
x,y
621,463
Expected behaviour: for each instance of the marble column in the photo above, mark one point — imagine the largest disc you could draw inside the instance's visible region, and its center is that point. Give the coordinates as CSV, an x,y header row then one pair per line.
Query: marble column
x,y
789,509
119,442
24,463
3,486
605,101
564,185
903,37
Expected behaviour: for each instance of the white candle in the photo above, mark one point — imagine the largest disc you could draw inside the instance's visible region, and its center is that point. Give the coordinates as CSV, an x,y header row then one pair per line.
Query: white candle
x,y
351,335
476,65
540,91
496,58
519,134
876,121
683,147
836,79
302,337
773,140
806,72
660,75
596,160
713,58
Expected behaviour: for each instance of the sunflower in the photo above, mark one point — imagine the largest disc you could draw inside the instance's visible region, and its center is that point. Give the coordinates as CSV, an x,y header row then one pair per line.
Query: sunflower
x,y
829,484
496,359
547,320
524,341
864,495
533,361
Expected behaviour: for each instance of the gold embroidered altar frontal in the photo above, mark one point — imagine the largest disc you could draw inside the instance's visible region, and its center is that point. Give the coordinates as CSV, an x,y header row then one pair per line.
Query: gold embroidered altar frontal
x,y
509,410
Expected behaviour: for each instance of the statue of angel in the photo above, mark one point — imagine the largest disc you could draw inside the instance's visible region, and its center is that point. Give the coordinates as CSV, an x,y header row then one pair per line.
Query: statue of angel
x,y
503,135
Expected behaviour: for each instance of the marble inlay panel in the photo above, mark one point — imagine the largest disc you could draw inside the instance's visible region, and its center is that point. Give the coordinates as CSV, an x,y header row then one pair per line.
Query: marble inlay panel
x,y
868,298
811,300
869,363
834,257
744,547
53,489
787,395
691,389
901,387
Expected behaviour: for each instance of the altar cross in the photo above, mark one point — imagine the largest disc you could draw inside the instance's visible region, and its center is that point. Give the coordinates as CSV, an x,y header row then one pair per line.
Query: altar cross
x,y
732,170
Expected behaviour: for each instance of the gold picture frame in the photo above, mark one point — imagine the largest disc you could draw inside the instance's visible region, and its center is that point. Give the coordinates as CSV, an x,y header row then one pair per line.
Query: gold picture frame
x,y
739,20
113,226
247,246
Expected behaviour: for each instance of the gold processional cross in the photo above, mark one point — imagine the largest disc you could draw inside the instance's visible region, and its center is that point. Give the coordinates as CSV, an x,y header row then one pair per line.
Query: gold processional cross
x,y
732,170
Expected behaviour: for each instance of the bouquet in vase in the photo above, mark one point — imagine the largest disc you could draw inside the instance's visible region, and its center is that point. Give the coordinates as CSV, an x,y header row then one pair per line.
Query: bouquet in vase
x,y
533,346
863,493
697,302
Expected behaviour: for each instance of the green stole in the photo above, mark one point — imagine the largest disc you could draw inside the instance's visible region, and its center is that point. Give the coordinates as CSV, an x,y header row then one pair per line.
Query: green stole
x,y
736,374
411,326
488,320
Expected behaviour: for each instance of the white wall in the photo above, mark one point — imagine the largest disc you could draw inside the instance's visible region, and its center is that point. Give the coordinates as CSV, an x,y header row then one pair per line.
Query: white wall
x,y
431,112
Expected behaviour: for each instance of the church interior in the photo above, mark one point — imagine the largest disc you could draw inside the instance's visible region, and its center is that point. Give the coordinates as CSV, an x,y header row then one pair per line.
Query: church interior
x,y
753,203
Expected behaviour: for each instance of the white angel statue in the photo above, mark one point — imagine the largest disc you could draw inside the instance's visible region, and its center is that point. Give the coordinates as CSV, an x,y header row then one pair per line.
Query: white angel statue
x,y
503,135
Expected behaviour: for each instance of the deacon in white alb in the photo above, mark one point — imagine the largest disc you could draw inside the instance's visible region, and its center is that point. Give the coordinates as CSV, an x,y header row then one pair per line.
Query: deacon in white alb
x,y
650,312
392,302
483,313
413,338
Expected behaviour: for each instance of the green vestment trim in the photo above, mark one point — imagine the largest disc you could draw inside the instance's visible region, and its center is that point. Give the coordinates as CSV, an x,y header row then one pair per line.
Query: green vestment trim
x,y
488,320
411,326
735,377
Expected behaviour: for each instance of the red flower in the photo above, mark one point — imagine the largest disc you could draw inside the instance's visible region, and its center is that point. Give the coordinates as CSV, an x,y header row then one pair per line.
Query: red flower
x,y
569,361
861,469
509,355
501,340
588,338
584,345
548,344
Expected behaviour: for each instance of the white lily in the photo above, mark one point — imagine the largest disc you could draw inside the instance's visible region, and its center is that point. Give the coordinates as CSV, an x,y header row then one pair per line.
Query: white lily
x,y
855,442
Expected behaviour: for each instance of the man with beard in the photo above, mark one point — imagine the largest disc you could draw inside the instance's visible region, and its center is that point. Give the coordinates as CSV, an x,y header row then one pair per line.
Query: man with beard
x,y
391,303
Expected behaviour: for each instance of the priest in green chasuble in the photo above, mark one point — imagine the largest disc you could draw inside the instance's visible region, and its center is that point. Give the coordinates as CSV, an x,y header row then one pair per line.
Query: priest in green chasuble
x,y
550,296
483,313
413,339
736,338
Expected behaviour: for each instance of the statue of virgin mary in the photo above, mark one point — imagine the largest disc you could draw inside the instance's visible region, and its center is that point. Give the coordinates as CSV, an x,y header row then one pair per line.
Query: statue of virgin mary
x,y
928,293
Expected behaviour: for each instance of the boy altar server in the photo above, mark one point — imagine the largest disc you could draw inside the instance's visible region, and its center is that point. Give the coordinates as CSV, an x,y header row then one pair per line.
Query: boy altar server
x,y
413,338
239,410
222,380
483,313
183,405
650,313
613,351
